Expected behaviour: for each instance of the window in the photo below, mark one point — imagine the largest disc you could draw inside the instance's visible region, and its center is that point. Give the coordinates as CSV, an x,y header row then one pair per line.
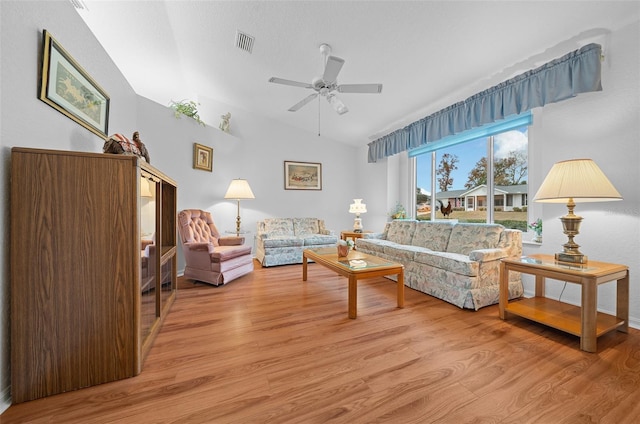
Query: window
x,y
477,176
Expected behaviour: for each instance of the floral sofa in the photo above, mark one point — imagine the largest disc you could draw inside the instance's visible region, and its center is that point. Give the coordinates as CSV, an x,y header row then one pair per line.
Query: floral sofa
x,y
280,241
455,262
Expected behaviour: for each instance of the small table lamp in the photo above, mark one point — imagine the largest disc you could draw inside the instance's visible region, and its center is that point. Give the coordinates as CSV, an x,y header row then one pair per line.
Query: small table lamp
x,y
575,181
239,189
357,207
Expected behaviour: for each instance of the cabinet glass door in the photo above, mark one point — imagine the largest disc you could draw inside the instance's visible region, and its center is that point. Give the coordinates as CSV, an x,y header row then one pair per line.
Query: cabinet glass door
x,y
148,254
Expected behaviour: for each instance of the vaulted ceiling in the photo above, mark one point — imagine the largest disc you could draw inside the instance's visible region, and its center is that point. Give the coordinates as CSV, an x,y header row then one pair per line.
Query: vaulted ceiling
x,y
427,54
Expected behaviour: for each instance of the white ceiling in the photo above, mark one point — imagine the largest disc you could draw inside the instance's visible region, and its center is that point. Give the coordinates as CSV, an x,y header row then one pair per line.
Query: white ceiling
x,y
428,54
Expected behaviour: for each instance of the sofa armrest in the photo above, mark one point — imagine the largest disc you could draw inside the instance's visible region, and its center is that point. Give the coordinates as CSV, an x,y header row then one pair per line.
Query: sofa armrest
x,y
198,254
231,240
487,255
373,235
199,246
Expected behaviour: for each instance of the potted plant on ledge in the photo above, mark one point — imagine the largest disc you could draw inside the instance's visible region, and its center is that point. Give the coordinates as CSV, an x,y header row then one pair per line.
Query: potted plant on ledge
x,y
187,108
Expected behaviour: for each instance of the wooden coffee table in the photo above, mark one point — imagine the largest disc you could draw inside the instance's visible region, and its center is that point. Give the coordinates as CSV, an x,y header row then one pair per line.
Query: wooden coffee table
x,y
356,266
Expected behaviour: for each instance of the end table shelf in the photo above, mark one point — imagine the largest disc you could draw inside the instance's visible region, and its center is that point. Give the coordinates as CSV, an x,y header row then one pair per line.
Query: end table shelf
x,y
583,321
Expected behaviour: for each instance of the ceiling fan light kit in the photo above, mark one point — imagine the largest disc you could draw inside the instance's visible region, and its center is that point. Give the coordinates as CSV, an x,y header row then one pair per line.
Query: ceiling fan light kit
x,y
337,104
327,85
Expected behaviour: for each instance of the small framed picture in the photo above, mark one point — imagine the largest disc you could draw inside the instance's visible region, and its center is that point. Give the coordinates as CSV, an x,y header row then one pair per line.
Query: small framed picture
x,y
69,89
202,157
302,176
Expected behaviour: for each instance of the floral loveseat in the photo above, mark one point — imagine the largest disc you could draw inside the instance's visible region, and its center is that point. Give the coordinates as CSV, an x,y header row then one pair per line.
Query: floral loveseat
x,y
455,262
280,241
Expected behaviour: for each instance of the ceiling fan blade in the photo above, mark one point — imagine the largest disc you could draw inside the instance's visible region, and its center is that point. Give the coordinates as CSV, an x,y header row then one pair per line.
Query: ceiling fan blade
x,y
360,88
332,69
303,102
289,82
337,104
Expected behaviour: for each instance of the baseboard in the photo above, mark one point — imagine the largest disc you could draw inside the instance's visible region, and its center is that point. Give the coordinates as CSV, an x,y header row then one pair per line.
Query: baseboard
x,y
5,399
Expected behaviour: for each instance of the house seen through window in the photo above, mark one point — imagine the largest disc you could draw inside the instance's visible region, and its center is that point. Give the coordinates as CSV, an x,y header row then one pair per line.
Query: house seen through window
x,y
480,176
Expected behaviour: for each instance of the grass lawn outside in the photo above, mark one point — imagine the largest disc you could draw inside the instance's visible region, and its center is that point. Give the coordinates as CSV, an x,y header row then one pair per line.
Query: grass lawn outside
x,y
515,220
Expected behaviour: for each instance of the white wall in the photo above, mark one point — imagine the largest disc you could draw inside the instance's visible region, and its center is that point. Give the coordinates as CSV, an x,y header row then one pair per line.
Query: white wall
x,y
27,121
256,151
603,126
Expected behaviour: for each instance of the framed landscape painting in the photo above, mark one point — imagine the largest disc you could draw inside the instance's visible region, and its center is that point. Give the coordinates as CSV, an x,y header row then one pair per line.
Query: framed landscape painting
x,y
302,176
66,87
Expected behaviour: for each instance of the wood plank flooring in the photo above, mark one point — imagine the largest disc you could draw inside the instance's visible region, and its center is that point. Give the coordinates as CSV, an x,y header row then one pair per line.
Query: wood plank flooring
x,y
268,348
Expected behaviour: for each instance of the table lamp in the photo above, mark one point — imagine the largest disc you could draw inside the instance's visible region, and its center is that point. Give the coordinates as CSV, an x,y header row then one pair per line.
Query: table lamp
x,y
239,189
575,181
357,207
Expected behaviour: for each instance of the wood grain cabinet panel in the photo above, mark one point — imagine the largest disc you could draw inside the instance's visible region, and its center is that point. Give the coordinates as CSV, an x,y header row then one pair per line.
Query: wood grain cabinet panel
x,y
76,269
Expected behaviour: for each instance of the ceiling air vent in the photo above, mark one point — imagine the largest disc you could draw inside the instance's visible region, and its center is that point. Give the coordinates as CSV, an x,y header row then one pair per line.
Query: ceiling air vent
x,y
244,41
79,4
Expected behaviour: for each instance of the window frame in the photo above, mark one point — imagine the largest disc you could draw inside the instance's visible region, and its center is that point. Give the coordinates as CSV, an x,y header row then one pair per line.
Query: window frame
x,y
486,131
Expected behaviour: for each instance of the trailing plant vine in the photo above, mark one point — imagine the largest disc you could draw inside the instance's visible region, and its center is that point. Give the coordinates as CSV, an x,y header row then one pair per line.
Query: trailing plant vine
x,y
186,107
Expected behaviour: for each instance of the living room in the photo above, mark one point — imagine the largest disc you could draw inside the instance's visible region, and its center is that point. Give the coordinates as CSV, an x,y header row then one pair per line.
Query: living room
x,y
602,125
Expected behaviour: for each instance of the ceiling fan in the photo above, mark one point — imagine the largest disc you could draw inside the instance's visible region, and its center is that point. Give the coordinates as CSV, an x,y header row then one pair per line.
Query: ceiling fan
x,y
327,84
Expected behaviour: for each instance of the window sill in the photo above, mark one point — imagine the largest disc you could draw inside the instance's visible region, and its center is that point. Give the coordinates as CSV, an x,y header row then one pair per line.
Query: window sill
x,y
531,243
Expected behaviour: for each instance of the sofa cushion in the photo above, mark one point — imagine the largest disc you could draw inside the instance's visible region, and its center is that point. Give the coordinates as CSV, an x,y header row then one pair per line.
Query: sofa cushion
x,y
305,226
432,235
278,226
401,232
402,253
283,241
453,262
373,246
467,237
317,239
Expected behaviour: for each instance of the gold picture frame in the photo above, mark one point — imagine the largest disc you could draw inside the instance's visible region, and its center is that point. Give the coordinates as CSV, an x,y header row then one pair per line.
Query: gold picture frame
x,y
202,157
66,87
302,175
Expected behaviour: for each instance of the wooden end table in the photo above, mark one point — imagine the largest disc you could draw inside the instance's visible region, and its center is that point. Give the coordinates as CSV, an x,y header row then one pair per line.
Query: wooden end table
x,y
350,234
369,267
583,321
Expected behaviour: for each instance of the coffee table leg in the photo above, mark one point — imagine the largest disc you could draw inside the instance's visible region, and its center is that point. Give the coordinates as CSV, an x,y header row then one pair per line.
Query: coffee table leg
x,y
353,297
401,289
304,267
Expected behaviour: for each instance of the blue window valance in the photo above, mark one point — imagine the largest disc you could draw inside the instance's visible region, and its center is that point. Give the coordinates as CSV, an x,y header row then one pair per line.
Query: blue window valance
x,y
508,124
574,73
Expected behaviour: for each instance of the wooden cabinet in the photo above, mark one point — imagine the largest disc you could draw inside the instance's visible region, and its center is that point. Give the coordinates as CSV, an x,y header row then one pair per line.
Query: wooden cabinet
x,y
81,312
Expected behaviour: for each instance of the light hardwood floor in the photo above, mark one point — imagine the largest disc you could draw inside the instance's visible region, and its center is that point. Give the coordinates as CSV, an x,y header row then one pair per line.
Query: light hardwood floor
x,y
268,348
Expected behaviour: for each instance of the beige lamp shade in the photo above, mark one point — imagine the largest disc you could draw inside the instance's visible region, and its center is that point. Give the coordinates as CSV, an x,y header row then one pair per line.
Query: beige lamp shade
x,y
577,179
239,189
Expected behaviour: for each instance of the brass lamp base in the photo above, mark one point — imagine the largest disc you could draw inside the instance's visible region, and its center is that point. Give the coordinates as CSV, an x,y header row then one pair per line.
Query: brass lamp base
x,y
571,227
572,258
